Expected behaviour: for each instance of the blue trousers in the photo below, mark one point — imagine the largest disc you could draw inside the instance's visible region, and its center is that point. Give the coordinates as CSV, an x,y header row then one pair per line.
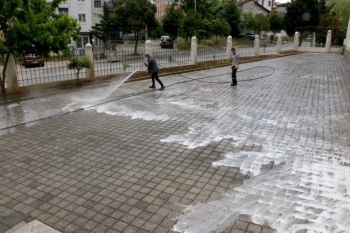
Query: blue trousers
x,y
234,76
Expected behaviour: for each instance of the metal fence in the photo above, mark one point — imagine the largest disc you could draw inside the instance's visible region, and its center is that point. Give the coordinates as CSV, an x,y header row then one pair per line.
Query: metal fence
x,y
54,70
123,58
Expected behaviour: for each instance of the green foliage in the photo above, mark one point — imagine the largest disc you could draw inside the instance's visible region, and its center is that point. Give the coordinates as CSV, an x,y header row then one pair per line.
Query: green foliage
x,y
114,46
191,23
170,58
132,16
77,64
172,21
262,23
103,30
248,20
30,27
301,13
183,44
341,8
157,32
205,7
220,27
125,64
276,21
229,12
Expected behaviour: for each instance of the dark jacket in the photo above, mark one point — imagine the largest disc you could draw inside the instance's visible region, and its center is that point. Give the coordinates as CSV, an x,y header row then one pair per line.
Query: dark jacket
x,y
152,65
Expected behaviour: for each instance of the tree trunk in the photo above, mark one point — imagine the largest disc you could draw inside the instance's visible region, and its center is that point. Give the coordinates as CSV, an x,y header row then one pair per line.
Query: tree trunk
x,y
136,41
78,77
104,46
3,78
300,38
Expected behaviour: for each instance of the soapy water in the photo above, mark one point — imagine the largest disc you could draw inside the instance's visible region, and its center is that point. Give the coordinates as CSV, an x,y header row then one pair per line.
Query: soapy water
x,y
307,189
296,184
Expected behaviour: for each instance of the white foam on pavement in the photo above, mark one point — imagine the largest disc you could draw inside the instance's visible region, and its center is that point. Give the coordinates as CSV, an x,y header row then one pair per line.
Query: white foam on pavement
x,y
309,190
32,227
122,110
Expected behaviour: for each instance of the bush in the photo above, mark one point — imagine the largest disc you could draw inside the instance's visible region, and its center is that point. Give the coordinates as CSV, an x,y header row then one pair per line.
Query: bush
x,y
181,44
77,64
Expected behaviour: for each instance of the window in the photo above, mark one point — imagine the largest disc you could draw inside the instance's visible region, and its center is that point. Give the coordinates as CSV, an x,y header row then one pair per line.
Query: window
x,y
82,42
62,11
269,3
97,4
81,17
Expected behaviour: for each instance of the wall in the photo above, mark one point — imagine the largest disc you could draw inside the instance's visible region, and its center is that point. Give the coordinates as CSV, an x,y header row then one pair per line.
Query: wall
x,y
347,54
251,6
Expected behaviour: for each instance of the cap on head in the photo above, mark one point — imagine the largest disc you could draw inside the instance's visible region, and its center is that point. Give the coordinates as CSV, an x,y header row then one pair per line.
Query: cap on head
x,y
147,54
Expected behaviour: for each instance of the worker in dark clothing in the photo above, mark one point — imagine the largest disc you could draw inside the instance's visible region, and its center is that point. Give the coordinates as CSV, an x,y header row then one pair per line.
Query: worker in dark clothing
x,y
153,71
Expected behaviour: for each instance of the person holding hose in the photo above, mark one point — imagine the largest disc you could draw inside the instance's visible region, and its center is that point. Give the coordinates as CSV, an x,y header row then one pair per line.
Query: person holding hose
x,y
234,66
152,68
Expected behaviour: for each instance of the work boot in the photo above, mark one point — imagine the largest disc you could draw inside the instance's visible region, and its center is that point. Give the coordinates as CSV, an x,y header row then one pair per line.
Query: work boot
x,y
161,88
152,86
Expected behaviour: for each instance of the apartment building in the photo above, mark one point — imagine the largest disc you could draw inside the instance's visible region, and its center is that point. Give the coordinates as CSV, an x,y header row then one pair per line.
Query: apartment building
x,y
81,10
162,6
281,7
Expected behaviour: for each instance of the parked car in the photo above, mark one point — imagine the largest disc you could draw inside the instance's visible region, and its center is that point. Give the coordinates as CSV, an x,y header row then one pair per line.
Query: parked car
x,y
168,43
162,39
33,60
249,35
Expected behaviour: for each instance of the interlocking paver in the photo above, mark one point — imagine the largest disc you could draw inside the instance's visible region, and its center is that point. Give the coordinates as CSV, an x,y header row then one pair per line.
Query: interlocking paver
x,y
134,164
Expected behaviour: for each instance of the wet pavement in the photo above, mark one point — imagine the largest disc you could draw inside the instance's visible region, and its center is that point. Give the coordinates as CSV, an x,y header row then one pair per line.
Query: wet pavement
x,y
268,155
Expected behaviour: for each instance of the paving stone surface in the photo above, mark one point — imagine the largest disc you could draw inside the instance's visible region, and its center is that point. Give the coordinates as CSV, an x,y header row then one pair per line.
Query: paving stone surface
x,y
268,155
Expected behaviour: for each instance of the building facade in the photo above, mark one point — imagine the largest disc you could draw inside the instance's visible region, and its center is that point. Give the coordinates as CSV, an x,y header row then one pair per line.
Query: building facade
x,y
254,5
162,6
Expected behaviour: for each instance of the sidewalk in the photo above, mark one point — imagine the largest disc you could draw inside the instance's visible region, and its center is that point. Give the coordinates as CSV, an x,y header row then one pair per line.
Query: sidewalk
x,y
269,155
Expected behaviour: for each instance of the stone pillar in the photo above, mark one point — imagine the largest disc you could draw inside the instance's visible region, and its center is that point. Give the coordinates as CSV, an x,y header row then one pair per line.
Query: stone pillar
x,y
256,45
296,40
313,40
229,47
193,50
11,76
279,44
328,41
90,73
149,47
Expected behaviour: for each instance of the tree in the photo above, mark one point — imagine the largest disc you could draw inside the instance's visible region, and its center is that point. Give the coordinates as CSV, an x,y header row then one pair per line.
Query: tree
x,y
77,64
341,8
172,21
30,27
229,11
248,20
205,7
301,14
262,23
191,23
103,30
220,27
276,22
132,16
